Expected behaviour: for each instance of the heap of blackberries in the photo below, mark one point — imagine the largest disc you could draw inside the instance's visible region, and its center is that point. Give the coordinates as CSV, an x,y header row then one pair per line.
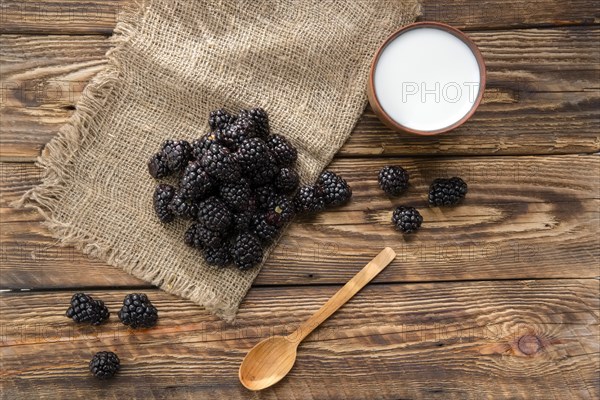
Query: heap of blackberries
x,y
237,186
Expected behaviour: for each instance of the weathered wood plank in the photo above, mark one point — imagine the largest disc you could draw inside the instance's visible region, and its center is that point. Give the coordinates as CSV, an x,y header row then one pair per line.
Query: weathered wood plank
x,y
99,16
517,339
542,96
524,217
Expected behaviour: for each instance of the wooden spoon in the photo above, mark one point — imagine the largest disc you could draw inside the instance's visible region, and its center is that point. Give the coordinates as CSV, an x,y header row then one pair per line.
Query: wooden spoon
x,y
270,360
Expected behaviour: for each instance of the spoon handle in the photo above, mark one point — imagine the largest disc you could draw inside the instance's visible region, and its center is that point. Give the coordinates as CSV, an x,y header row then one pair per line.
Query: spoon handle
x,y
370,271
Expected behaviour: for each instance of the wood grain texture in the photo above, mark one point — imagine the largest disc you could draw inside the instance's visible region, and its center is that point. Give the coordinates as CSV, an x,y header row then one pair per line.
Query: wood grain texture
x,y
542,96
517,339
99,16
524,217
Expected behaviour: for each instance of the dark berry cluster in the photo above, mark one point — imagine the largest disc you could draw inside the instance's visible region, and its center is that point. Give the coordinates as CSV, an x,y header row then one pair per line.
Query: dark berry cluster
x,y
393,180
84,309
238,186
138,312
105,364
447,192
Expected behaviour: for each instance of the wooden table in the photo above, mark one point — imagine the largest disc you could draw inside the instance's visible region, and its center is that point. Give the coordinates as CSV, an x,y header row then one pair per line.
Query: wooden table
x,y
497,298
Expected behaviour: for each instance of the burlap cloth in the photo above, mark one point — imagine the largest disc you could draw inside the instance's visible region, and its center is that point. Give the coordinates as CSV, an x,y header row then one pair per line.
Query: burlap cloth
x,y
305,61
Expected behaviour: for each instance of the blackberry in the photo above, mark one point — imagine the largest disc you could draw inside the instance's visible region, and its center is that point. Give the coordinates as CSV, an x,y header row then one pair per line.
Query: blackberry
x,y
247,251
163,194
233,135
287,180
252,154
284,153
240,222
220,119
195,182
200,146
236,195
407,219
183,206
393,180
447,192
280,210
335,189
105,364
157,166
84,309
260,227
177,153
191,236
220,163
218,256
309,199
263,196
138,311
214,214
208,238
261,120
265,173
200,237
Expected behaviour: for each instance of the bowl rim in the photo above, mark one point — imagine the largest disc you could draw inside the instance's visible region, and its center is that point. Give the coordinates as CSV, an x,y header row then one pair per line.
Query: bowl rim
x,y
372,94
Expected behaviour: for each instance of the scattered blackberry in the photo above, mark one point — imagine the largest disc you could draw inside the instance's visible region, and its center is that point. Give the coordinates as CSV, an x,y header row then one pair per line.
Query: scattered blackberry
x,y
261,120
309,199
236,195
447,192
191,237
285,154
104,364
200,146
280,210
287,181
195,182
233,135
252,154
183,206
214,214
407,219
246,251
157,166
393,180
220,163
163,194
177,153
84,309
220,119
138,311
218,256
335,188
262,229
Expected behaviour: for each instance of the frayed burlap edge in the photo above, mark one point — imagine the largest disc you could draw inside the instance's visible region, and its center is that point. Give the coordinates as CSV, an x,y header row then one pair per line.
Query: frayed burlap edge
x,y
58,153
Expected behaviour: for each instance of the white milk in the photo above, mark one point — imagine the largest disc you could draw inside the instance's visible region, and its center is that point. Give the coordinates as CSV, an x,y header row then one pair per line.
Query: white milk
x,y
426,79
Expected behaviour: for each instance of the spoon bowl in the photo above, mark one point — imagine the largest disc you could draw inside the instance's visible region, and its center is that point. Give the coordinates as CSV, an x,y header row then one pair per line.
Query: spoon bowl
x,y
268,362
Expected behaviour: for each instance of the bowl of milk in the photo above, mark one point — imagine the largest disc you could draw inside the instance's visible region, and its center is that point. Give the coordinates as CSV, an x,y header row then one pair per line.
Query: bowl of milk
x,y
427,78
